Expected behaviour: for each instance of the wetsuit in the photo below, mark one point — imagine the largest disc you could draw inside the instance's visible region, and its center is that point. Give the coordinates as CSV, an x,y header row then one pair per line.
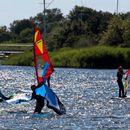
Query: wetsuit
x,y
120,84
39,99
39,102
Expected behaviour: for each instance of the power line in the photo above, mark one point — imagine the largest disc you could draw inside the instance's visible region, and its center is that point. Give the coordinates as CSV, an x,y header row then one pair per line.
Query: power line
x,y
44,4
50,3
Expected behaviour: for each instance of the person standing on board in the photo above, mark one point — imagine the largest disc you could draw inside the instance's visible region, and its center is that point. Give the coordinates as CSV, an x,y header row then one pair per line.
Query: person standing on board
x,y
119,81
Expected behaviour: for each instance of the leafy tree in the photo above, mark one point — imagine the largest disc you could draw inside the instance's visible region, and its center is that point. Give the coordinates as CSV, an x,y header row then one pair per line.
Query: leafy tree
x,y
82,27
51,19
4,34
53,15
55,38
18,26
126,32
113,36
96,21
26,35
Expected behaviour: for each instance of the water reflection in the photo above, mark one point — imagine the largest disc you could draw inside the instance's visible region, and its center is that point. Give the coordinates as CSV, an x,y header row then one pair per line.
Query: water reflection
x,y
86,93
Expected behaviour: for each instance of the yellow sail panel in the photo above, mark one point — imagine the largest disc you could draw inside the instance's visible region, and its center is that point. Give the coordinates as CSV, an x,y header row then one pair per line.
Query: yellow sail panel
x,y
35,36
39,45
41,57
126,84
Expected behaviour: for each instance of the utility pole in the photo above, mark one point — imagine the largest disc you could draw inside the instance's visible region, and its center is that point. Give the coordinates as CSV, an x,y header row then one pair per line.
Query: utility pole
x,y
43,3
81,9
44,15
117,6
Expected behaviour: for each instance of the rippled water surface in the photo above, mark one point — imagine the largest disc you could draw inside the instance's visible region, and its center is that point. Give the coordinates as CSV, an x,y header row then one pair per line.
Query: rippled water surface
x,y
86,93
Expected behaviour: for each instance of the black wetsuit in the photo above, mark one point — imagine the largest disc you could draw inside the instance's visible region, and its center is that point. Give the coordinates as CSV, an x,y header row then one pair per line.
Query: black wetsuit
x,y
120,84
39,102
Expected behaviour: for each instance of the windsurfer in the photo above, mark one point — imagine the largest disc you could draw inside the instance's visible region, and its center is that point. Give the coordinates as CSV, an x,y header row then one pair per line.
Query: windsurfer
x,y
43,91
40,93
119,81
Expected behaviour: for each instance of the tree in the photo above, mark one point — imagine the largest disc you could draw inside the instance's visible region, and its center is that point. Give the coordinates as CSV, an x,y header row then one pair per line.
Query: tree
x,y
113,36
126,32
53,15
26,35
18,26
4,34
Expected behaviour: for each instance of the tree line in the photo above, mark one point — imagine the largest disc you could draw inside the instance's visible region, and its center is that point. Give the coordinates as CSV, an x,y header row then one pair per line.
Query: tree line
x,y
82,27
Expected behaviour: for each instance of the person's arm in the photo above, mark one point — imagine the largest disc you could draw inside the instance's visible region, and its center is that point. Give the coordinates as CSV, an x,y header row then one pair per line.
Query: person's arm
x,y
48,81
33,95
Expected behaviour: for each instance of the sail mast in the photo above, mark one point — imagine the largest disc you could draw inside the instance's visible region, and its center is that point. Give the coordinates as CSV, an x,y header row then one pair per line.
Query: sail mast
x,y
44,14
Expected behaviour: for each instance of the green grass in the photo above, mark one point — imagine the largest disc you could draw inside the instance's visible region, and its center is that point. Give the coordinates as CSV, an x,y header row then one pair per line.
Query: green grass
x,y
94,57
16,46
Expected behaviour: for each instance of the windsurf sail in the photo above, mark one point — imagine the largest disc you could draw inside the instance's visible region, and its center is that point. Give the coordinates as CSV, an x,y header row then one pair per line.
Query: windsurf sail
x,y
53,101
42,61
127,79
44,69
19,98
16,98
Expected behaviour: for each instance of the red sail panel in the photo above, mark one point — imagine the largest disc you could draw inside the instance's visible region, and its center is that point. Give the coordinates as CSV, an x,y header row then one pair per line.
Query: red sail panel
x,y
41,57
128,72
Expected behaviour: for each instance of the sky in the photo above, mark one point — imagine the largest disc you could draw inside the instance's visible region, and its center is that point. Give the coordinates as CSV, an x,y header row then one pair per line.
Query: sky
x,y
11,10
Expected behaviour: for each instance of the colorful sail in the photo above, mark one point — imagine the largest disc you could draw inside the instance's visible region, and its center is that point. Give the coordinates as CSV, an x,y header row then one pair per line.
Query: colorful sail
x,y
44,69
127,79
42,61
53,102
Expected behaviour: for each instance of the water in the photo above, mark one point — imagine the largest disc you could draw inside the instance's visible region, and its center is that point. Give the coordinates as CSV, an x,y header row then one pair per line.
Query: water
x,y
86,93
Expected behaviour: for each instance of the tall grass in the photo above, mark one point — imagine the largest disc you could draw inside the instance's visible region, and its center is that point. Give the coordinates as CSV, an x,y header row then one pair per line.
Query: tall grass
x,y
94,57
25,59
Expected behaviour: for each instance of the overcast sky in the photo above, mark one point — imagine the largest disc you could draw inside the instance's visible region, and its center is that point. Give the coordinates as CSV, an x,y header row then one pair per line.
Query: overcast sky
x,y
11,10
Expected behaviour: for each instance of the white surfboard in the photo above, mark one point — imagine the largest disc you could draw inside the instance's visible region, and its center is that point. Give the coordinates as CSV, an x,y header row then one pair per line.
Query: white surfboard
x,y
127,97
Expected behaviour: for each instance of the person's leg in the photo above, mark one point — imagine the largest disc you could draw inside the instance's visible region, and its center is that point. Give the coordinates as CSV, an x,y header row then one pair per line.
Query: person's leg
x,y
120,92
122,89
119,89
123,93
39,106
